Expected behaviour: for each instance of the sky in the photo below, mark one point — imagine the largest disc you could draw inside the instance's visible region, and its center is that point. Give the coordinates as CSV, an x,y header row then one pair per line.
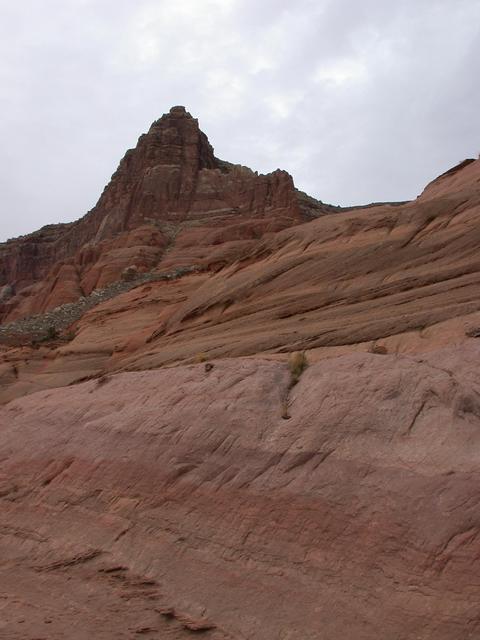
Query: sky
x,y
360,100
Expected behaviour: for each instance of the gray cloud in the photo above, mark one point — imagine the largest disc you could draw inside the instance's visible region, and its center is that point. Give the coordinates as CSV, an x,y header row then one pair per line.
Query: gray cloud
x,y
360,101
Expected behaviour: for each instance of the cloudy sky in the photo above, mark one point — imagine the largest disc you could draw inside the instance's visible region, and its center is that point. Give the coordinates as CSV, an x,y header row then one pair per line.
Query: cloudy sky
x,y
360,101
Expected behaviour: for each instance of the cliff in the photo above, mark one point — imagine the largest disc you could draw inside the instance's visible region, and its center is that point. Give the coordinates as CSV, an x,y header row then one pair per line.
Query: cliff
x,y
169,202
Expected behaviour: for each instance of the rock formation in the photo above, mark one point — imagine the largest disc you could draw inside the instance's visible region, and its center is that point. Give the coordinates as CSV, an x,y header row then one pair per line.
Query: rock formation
x,y
402,277
138,504
169,193
164,474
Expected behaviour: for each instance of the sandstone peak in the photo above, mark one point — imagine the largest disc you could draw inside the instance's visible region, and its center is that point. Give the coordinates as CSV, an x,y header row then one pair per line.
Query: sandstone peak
x,y
170,191
179,111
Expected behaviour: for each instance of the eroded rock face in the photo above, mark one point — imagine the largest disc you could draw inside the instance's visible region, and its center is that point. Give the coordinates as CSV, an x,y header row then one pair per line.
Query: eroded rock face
x,y
169,191
404,278
182,495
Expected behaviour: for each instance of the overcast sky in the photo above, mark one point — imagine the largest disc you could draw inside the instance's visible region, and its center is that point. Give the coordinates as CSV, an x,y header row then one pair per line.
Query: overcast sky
x,y
360,100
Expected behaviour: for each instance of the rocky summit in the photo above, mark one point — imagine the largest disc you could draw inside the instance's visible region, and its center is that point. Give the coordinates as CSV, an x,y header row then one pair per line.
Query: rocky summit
x,y
233,411
169,202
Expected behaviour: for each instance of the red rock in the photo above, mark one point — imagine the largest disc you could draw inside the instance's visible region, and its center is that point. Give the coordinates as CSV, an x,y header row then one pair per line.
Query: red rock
x,y
182,501
170,185
356,518
404,278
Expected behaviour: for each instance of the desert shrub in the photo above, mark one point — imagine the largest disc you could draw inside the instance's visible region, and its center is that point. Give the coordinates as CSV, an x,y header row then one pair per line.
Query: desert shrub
x,y
200,357
297,363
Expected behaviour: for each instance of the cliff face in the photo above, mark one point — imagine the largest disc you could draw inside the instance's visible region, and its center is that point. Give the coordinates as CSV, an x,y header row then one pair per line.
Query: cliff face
x,y
170,192
401,278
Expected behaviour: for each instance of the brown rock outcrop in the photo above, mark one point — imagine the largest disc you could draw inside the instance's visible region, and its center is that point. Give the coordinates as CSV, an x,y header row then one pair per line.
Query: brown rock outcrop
x,y
179,500
406,278
168,192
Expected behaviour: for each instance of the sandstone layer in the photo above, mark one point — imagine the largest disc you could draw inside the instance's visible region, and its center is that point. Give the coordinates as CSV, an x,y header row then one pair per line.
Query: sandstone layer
x,y
149,503
401,278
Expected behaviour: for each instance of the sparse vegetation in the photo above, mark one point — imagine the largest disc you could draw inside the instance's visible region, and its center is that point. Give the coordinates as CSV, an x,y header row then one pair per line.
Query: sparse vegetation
x,y
34,329
200,357
297,364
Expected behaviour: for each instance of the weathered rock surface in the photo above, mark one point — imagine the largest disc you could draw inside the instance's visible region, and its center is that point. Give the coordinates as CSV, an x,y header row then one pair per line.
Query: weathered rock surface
x,y
170,192
405,278
136,502
216,499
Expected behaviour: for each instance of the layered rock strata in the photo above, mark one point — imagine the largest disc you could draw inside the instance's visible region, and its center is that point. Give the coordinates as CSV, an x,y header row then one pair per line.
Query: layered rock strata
x,y
169,202
174,502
